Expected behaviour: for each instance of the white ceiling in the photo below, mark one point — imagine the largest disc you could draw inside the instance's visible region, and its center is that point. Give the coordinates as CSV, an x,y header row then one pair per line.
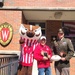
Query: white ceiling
x,y
49,15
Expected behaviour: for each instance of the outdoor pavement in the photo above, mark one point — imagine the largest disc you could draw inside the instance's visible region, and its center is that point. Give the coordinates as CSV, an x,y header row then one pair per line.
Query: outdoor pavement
x,y
72,68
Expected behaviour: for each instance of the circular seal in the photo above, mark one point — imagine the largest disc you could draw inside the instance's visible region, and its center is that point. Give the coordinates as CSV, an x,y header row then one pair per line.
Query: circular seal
x,y
6,33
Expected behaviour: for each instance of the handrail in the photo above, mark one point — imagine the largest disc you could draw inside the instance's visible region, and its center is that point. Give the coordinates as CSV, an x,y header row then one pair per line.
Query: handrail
x,y
8,55
8,64
2,66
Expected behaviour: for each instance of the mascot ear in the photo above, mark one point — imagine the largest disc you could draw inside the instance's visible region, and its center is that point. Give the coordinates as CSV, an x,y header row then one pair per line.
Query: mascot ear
x,y
21,28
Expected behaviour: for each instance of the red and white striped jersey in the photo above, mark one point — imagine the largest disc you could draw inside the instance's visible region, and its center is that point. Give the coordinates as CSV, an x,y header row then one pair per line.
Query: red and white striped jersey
x,y
27,49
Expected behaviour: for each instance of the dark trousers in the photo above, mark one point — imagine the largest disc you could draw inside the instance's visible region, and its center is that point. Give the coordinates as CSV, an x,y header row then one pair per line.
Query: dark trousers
x,y
62,71
24,70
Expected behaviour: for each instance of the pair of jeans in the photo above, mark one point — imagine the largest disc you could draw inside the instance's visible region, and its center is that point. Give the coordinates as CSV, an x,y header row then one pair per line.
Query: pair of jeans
x,y
44,71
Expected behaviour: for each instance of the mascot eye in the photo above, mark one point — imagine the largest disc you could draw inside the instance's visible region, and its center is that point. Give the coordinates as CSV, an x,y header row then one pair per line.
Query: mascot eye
x,y
26,29
35,30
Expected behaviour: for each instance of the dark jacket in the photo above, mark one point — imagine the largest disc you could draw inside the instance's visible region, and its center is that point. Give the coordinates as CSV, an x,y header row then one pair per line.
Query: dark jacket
x,y
65,45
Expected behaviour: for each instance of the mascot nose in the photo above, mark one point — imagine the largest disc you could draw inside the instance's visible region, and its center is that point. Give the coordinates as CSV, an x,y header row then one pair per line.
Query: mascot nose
x,y
30,34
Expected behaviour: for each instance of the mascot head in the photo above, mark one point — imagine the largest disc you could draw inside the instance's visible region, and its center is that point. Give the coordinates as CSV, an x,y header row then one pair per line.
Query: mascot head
x,y
30,31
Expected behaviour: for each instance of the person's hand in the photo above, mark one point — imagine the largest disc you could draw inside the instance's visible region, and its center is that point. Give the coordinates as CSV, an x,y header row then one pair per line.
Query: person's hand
x,y
45,58
61,54
63,59
42,53
49,56
21,41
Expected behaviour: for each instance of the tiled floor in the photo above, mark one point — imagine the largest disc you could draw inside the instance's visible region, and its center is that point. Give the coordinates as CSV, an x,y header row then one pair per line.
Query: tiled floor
x,y
72,68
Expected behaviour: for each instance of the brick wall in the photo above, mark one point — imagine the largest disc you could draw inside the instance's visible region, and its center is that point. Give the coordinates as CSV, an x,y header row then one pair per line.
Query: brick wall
x,y
40,3
14,18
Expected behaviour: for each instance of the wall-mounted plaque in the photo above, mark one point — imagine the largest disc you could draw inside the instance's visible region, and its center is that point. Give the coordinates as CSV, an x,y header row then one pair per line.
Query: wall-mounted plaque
x,y
6,34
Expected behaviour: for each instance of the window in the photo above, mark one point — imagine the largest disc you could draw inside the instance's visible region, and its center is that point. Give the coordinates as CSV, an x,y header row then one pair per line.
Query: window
x,y
41,24
1,3
69,31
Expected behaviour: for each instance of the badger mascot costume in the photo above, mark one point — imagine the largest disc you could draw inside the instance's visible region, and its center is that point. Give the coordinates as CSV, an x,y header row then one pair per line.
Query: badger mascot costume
x,y
29,36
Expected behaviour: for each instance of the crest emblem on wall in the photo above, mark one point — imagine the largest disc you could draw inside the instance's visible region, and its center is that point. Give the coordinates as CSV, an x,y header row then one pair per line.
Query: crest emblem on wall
x,y
6,33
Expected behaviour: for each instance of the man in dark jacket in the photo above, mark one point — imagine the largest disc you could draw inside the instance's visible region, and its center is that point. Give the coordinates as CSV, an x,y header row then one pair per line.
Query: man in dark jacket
x,y
64,48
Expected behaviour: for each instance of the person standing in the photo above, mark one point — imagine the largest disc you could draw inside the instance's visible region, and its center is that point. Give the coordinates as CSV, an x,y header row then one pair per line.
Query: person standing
x,y
64,48
43,54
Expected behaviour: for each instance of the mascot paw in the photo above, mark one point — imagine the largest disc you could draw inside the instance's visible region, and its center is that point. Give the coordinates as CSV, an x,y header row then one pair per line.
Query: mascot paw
x,y
21,41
